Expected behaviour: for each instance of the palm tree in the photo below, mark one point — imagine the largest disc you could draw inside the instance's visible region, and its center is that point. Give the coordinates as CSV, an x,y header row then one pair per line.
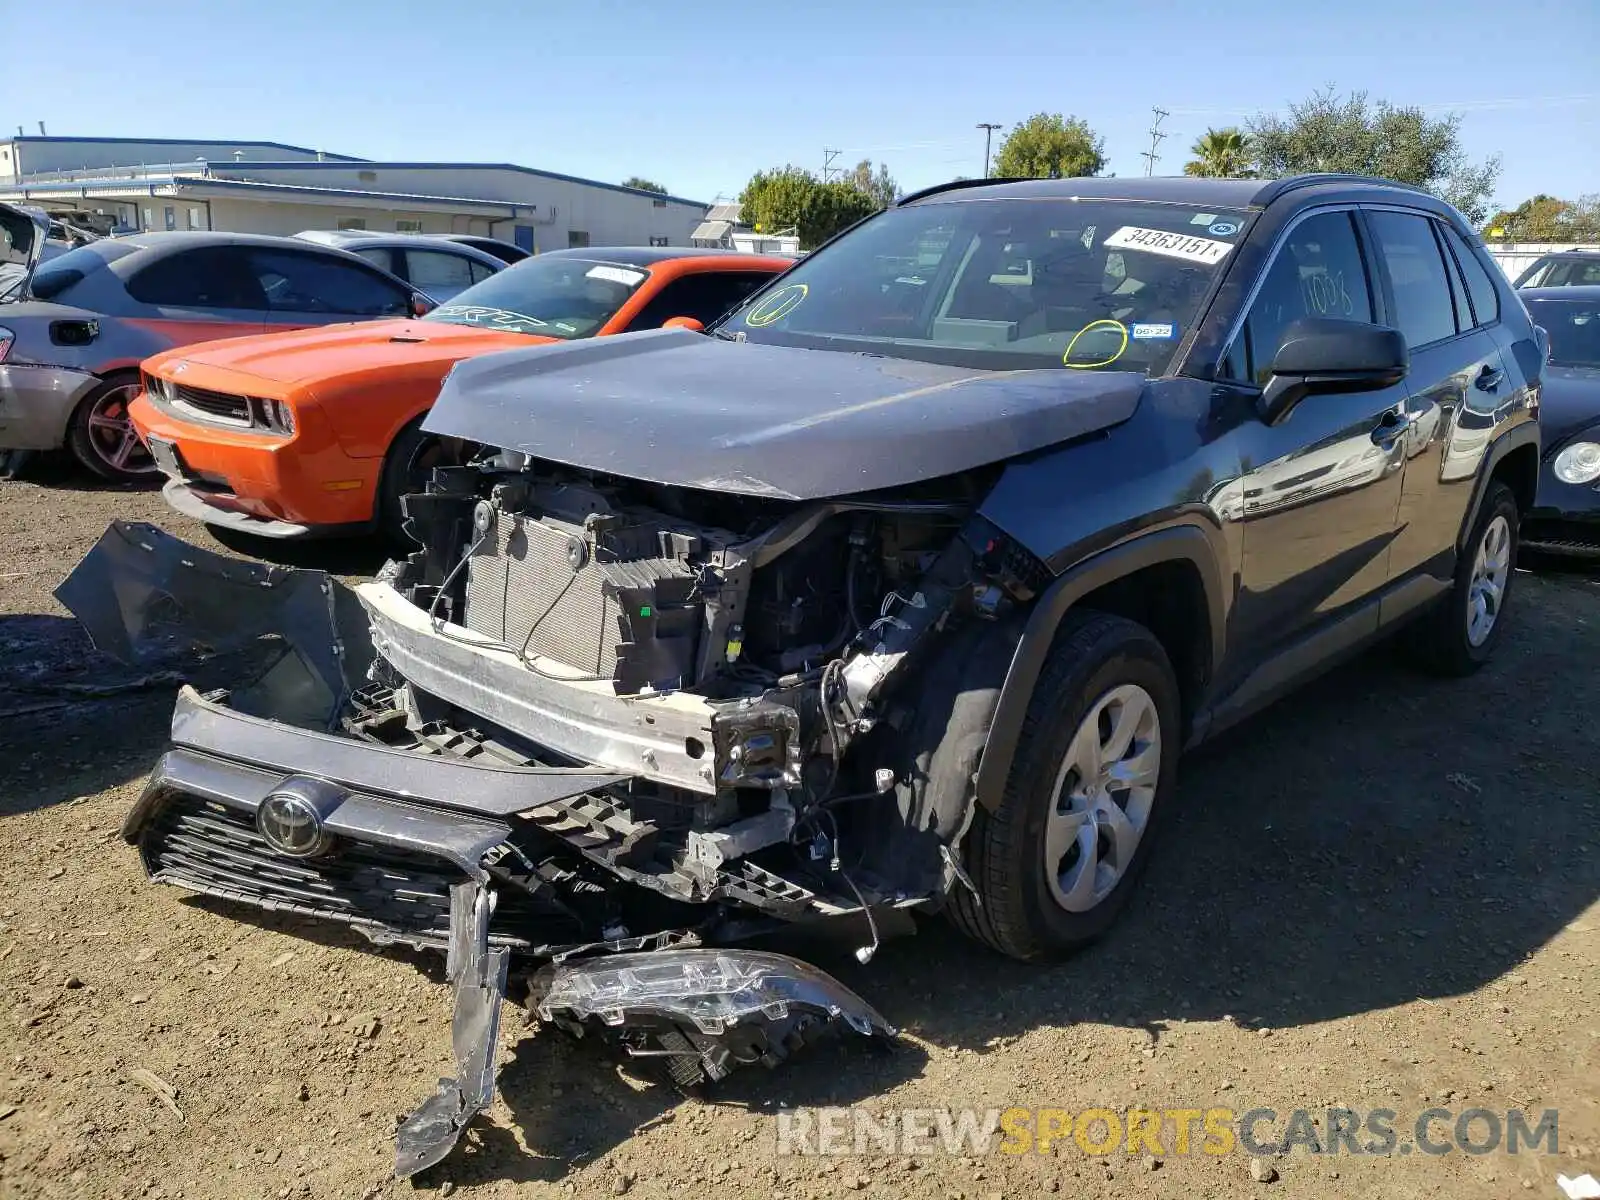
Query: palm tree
x,y
1221,154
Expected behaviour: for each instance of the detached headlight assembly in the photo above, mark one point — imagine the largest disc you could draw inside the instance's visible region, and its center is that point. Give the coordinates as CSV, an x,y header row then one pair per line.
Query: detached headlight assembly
x,y
1578,463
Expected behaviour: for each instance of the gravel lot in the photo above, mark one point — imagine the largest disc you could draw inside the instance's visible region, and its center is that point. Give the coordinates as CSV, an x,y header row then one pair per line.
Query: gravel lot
x,y
1381,894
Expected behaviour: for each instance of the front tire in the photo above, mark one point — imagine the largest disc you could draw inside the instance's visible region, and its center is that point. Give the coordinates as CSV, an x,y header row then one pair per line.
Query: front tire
x,y
103,439
1460,633
1091,783
405,470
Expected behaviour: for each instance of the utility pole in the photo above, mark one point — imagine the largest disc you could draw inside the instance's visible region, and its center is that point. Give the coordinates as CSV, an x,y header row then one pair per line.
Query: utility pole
x,y
828,169
988,132
1150,156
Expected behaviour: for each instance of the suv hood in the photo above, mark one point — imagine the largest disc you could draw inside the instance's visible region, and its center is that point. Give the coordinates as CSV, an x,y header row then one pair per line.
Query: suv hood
x,y
673,407
22,236
330,351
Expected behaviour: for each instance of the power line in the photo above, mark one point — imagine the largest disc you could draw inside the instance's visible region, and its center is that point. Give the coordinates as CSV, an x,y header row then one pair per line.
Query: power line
x,y
988,128
1150,156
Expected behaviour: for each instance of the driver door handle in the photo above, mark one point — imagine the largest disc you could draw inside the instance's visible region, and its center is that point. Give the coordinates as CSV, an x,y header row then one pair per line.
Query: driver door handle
x,y
1390,428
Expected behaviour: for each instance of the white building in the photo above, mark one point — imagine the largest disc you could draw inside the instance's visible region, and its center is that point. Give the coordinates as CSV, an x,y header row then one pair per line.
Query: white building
x,y
268,187
723,228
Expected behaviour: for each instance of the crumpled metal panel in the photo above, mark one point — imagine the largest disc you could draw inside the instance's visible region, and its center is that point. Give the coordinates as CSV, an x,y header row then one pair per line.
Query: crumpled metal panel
x,y
479,976
146,597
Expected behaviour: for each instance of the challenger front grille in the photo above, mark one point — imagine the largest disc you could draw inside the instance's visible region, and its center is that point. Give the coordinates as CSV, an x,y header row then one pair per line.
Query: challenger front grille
x,y
214,849
221,406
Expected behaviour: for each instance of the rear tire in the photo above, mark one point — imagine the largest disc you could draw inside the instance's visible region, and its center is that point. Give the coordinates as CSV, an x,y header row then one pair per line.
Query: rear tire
x,y
102,438
1090,785
1459,634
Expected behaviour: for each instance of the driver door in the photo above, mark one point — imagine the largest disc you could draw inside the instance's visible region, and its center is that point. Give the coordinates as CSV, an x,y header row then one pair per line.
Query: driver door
x,y
1321,489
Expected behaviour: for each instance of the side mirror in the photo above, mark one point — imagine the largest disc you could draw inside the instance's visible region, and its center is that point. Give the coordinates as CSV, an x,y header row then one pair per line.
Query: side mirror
x,y
421,306
1321,355
689,323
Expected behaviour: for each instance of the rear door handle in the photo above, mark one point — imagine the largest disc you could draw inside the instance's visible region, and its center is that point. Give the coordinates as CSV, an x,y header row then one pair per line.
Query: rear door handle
x,y
1488,379
1390,428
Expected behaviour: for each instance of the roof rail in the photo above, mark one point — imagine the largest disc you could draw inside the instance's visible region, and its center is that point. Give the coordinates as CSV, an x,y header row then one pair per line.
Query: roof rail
x,y
1279,187
953,185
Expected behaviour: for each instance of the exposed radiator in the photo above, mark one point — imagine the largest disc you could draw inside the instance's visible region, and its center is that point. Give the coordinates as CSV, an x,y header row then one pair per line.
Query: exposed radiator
x,y
541,583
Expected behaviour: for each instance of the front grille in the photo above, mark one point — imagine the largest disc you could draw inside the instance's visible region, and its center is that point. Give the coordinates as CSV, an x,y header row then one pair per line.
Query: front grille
x,y
214,849
222,406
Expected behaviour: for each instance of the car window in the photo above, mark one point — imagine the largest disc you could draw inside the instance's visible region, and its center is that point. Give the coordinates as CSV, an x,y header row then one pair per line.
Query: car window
x,y
704,296
1317,272
1574,272
546,296
383,258
441,275
1004,284
480,271
206,277
309,283
1410,252
1480,285
53,276
1458,287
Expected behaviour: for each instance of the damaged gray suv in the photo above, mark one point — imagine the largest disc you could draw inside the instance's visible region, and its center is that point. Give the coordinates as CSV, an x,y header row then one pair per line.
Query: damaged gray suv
x,y
897,590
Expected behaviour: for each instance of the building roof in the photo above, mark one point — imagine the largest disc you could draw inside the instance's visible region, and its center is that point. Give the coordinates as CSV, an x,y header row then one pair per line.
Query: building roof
x,y
374,165
711,231
232,145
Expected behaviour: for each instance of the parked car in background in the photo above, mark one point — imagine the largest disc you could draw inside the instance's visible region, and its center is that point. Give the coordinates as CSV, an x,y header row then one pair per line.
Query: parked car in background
x,y
1565,519
506,252
439,269
1566,268
321,430
70,347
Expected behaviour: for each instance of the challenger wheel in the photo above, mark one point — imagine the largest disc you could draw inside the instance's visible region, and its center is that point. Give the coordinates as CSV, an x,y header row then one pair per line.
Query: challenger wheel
x,y
405,470
103,439
1091,782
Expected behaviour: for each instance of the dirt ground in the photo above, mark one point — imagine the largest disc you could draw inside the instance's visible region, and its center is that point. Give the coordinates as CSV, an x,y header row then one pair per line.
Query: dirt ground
x,y
1381,894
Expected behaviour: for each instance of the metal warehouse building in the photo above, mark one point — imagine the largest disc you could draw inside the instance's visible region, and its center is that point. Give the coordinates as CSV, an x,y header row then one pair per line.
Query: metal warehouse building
x,y
268,187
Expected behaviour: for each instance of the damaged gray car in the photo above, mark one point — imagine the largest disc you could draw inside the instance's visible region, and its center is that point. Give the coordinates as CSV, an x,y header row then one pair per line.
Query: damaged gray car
x,y
898,590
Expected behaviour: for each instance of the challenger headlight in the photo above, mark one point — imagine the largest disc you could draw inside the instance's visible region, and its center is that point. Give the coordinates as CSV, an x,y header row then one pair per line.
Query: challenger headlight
x,y
1578,463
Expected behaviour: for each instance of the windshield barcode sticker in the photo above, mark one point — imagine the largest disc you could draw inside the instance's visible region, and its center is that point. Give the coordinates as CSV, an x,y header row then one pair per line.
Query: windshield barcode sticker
x,y
615,275
1172,245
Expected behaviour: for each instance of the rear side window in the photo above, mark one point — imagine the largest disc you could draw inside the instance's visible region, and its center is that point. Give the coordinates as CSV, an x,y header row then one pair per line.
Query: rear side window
x,y
703,296
381,257
1317,272
55,275
294,281
439,273
1480,285
1424,311
1573,273
207,277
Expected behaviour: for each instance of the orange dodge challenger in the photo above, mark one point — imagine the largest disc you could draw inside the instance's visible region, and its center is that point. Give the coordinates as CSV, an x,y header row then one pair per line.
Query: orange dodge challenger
x,y
287,434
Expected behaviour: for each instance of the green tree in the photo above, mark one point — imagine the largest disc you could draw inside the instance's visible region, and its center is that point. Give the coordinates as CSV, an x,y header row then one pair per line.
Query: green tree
x,y
1546,219
1220,154
877,184
1353,134
773,200
643,184
792,197
1048,144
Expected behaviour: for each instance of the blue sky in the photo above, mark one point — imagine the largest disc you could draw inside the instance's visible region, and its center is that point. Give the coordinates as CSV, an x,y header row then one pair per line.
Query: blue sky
x,y
700,96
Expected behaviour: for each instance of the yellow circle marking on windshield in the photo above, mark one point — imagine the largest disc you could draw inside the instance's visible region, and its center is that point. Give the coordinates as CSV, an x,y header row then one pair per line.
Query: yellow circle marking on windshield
x,y
777,306
1107,323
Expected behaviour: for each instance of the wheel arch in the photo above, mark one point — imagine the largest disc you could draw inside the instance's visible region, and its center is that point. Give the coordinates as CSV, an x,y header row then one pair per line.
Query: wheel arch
x,y
1170,580
1512,459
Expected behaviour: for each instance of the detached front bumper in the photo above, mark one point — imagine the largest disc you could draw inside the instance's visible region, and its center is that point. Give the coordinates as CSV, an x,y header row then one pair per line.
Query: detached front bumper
x,y
36,404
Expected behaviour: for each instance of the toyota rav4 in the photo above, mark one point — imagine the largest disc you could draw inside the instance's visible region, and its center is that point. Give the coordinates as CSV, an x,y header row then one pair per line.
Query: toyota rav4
x,y
899,589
